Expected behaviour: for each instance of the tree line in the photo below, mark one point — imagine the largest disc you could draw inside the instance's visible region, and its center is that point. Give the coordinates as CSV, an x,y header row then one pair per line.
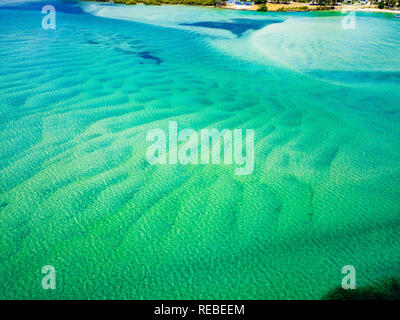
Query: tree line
x,y
321,3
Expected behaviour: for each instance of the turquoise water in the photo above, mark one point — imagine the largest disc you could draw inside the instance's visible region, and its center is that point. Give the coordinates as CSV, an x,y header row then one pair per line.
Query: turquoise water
x,y
77,192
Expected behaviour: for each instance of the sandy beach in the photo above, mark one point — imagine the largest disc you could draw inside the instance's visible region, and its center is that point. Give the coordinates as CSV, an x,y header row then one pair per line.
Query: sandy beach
x,y
295,6
377,10
299,6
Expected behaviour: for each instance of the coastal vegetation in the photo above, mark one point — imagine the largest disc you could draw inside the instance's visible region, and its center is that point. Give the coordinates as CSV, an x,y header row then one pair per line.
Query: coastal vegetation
x,y
262,7
322,4
316,5
160,2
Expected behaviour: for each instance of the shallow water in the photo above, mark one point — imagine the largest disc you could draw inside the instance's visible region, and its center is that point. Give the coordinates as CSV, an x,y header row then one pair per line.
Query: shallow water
x,y
76,191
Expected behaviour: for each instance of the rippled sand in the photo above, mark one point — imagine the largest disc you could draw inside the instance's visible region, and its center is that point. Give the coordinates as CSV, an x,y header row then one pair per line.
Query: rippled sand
x,y
76,191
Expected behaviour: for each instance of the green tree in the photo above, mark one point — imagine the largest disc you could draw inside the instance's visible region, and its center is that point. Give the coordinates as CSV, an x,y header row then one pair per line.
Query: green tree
x,y
262,8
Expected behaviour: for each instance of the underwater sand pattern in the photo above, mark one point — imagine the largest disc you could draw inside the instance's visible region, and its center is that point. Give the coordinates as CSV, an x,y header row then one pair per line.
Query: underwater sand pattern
x,y
77,192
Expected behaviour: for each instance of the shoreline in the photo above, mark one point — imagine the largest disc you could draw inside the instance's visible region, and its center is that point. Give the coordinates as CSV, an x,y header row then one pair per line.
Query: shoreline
x,y
395,11
305,7
272,7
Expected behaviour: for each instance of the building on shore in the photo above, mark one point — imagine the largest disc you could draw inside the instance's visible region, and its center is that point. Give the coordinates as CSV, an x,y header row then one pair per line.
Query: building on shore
x,y
239,3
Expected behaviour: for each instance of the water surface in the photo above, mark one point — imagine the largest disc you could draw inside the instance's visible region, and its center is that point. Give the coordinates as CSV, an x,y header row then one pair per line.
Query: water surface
x,y
76,191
